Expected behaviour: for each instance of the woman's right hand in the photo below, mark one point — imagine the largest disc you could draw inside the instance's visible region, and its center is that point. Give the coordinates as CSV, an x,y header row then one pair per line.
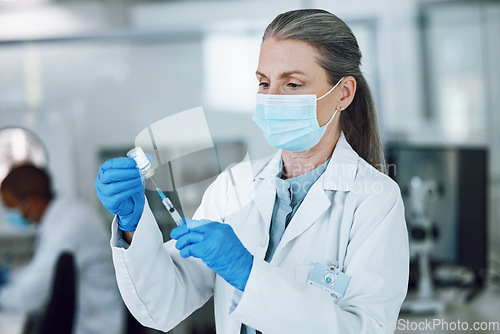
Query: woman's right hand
x,y
120,189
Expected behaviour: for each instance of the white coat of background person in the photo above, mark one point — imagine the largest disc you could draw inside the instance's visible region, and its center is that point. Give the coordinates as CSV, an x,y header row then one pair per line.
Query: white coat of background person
x,y
63,225
352,215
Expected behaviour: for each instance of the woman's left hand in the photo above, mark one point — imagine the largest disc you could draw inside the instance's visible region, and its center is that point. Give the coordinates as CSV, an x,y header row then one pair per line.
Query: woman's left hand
x,y
217,246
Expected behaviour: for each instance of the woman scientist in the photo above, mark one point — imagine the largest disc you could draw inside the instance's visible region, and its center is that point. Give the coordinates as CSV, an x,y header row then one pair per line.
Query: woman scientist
x,y
319,244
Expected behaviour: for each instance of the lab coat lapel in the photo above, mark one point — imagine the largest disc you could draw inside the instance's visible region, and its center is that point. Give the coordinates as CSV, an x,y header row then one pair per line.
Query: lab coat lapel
x,y
265,191
265,194
314,205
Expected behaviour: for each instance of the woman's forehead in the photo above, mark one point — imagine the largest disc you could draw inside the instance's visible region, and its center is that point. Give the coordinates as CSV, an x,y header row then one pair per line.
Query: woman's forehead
x,y
286,56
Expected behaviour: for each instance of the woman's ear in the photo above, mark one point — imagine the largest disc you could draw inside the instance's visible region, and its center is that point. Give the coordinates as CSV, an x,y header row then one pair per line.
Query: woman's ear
x,y
348,86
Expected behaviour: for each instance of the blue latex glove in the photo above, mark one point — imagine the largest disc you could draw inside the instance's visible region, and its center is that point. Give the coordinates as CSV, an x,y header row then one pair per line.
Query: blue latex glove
x,y
218,247
119,187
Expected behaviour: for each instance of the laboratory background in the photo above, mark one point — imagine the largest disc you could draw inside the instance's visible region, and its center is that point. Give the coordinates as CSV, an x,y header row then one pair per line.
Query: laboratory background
x,y
83,81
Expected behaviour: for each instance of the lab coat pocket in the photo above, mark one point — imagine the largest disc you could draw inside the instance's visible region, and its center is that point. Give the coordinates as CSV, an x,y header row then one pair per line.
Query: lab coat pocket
x,y
302,273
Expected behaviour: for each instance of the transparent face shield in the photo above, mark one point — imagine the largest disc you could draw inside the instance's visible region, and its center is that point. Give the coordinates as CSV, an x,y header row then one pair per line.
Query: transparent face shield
x,y
184,162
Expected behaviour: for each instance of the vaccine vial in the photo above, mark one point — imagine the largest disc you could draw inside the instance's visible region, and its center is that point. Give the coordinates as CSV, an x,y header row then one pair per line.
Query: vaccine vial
x,y
142,161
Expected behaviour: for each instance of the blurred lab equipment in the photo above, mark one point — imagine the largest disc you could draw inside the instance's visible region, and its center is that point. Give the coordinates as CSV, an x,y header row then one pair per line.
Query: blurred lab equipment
x,y
18,145
444,190
423,232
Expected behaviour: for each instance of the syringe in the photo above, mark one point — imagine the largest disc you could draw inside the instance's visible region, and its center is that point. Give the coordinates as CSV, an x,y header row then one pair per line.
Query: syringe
x,y
144,165
170,208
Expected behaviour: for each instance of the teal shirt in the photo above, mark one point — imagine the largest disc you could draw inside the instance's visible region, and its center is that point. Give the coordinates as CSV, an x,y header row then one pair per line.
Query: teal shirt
x,y
289,195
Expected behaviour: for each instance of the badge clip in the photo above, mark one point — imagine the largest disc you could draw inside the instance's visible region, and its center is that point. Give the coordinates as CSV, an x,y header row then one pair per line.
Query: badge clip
x,y
329,279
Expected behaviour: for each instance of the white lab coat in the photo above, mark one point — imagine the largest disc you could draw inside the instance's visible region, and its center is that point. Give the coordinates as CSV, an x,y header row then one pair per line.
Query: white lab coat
x,y
70,226
353,214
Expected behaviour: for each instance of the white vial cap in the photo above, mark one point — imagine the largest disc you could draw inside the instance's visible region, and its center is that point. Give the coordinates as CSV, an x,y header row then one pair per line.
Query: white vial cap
x,y
142,161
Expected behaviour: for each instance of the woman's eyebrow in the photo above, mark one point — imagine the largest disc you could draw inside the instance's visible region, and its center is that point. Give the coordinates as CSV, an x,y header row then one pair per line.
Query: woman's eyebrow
x,y
282,75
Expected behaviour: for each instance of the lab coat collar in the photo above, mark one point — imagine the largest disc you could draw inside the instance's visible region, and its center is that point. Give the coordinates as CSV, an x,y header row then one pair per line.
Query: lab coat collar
x,y
271,169
341,171
339,174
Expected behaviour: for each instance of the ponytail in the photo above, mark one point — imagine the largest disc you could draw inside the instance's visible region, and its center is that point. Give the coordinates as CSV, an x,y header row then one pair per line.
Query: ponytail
x,y
360,126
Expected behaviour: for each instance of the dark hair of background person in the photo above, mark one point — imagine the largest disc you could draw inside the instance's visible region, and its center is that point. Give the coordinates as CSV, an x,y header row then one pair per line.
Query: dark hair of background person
x,y
28,180
340,56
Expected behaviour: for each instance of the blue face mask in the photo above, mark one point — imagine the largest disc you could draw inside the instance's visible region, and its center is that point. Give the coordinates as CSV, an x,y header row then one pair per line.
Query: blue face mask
x,y
289,122
16,219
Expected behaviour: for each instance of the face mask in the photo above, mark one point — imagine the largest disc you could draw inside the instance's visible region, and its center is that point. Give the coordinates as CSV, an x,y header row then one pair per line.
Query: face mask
x,y
16,219
289,122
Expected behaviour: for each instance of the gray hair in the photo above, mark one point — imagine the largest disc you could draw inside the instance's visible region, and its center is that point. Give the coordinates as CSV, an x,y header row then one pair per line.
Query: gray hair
x,y
339,55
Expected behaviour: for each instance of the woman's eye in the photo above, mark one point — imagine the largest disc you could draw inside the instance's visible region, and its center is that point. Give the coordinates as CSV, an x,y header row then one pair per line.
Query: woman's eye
x,y
264,85
293,85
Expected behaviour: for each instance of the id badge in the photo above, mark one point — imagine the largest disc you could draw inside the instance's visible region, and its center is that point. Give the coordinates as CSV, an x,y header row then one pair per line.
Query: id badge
x,y
329,279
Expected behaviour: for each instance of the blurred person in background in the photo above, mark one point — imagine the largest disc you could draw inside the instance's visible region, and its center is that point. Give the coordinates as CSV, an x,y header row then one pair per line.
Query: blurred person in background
x,y
63,226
